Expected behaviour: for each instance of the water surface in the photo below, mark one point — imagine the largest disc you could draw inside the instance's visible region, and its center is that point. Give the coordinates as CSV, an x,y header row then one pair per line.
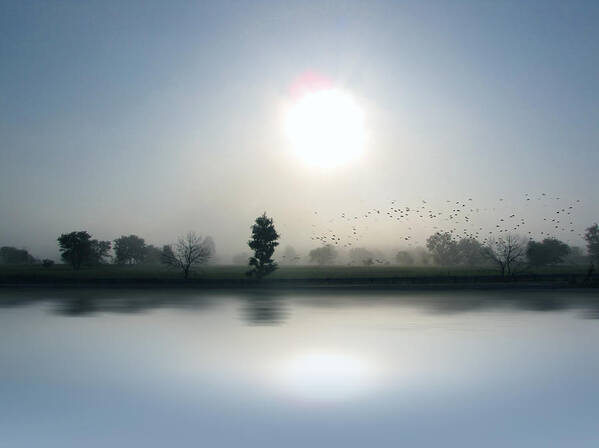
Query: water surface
x,y
179,368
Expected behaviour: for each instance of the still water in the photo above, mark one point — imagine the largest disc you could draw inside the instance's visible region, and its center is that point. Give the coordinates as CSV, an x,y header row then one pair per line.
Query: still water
x,y
287,369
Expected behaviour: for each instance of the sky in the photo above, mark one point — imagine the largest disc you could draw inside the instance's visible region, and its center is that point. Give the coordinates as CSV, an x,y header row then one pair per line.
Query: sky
x,y
156,118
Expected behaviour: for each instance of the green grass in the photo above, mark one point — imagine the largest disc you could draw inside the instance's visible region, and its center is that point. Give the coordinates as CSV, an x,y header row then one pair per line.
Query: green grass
x,y
60,271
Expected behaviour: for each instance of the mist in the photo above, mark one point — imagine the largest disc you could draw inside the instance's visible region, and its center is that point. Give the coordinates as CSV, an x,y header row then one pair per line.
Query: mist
x,y
134,133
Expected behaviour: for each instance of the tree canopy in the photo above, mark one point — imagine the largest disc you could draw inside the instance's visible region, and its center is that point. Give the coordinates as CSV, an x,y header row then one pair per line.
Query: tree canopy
x,y
323,255
78,248
129,249
591,236
361,256
470,252
404,258
548,251
12,255
443,248
152,255
263,242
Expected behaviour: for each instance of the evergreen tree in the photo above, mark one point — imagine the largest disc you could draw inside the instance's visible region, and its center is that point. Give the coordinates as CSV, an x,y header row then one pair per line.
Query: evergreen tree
x,y
263,243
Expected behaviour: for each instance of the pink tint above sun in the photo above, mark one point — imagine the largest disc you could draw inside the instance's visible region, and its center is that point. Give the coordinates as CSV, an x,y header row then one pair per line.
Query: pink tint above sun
x,y
309,82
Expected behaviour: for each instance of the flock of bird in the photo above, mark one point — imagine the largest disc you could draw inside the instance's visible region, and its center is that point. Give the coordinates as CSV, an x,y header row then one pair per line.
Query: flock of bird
x,y
539,216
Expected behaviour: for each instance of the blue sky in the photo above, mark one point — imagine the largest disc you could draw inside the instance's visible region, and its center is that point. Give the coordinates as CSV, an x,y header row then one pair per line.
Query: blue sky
x,y
159,117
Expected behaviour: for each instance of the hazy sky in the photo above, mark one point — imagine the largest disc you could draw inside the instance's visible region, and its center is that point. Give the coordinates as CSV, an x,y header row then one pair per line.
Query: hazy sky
x,y
156,118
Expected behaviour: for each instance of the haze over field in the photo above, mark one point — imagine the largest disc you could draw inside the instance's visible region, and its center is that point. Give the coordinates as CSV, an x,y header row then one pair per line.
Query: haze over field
x,y
158,118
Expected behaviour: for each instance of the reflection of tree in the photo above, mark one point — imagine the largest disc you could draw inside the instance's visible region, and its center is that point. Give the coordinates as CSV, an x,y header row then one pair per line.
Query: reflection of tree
x,y
592,312
271,308
541,303
454,303
264,309
80,306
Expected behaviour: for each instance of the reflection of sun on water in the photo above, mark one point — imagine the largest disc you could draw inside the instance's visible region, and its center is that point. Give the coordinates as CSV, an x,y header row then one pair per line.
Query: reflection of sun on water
x,y
326,128
325,377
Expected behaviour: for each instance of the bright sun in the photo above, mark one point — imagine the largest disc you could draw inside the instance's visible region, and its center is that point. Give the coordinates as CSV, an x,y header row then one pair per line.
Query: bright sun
x,y
326,128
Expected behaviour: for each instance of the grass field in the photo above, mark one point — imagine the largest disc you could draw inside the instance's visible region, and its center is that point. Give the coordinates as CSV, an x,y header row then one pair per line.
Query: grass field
x,y
224,272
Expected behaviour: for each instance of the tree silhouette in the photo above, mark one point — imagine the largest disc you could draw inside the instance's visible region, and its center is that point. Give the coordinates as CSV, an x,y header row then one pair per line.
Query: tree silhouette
x,y
77,248
323,255
549,251
263,243
591,236
506,252
129,249
99,251
211,246
444,248
470,252
152,255
12,255
404,258
189,251
361,256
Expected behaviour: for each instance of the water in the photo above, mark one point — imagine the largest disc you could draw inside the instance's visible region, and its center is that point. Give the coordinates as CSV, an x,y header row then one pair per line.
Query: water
x,y
159,368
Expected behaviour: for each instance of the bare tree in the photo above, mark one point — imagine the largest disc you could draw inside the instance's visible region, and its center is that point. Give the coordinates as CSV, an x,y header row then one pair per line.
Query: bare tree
x,y
189,251
506,252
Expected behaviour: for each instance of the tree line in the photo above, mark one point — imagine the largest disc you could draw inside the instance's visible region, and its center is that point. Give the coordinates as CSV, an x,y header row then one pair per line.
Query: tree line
x,y
511,252
78,248
508,253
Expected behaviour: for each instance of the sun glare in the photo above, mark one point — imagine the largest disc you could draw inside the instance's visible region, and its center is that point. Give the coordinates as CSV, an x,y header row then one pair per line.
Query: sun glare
x,y
326,128
324,376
